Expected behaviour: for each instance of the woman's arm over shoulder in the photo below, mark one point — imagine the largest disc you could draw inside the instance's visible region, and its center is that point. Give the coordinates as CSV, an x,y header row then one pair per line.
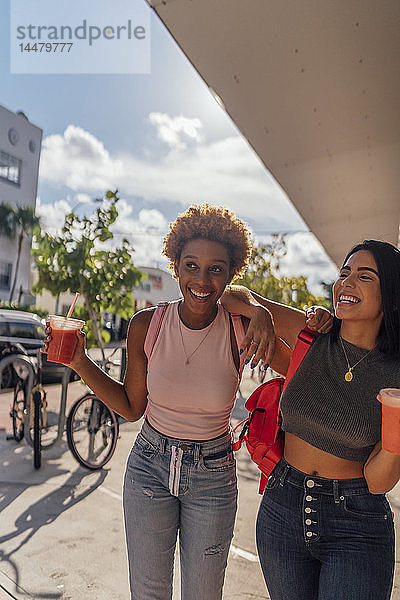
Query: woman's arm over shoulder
x,y
288,321
136,367
281,359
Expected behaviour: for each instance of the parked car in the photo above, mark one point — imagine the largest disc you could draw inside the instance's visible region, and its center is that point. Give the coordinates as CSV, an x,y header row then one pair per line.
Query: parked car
x,y
24,332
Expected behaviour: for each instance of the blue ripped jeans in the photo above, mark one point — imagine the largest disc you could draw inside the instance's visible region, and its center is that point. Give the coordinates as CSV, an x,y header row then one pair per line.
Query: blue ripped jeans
x,y
176,485
324,539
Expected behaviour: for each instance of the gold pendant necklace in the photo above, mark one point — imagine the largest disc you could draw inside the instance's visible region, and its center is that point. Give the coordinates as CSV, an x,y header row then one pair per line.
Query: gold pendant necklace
x,y
188,357
348,376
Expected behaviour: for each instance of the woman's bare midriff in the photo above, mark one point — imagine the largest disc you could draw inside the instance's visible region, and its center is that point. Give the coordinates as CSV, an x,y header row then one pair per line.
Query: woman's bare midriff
x,y
313,461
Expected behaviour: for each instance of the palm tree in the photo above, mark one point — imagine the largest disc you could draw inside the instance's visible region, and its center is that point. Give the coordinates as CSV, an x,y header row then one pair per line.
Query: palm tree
x,y
24,220
7,228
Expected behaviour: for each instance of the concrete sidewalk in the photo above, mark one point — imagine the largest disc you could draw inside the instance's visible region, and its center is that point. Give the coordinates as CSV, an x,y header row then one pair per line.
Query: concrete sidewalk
x,y
61,528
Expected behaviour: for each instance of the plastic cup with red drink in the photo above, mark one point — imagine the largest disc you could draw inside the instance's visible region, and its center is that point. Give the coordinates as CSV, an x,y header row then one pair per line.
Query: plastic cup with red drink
x,y
390,400
63,341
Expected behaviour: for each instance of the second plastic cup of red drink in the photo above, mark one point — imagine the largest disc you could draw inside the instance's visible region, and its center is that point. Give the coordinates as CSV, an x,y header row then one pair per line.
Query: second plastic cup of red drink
x,y
390,399
63,341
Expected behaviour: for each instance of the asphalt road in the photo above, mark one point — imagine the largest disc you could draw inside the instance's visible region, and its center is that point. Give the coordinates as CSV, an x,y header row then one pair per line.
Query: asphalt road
x,y
61,528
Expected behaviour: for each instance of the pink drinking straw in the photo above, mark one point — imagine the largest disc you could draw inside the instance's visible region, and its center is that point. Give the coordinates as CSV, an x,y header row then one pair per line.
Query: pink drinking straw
x,y
71,308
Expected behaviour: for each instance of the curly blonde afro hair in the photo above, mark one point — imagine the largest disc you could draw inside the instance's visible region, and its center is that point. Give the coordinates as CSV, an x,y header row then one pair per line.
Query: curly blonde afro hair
x,y
214,223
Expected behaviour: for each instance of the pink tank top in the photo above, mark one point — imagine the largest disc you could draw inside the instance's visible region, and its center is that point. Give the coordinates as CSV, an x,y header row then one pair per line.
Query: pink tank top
x,y
192,379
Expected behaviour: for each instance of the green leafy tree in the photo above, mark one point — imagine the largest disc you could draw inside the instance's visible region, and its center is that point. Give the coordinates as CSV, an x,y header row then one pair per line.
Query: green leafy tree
x,y
77,260
327,287
263,276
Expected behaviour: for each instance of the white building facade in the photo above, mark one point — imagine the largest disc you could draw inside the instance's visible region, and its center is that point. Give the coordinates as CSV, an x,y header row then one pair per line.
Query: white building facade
x,y
20,143
159,286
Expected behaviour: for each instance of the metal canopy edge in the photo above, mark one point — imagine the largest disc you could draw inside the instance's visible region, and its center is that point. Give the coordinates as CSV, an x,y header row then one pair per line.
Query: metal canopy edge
x,y
314,87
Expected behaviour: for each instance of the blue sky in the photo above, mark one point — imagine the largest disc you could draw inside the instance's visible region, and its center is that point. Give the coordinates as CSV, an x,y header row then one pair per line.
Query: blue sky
x,y
162,139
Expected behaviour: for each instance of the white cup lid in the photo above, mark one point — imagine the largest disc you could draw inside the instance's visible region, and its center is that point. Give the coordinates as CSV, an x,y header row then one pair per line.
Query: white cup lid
x,y
390,396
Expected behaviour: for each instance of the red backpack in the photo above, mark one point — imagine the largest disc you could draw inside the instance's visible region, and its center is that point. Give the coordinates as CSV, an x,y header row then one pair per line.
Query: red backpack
x,y
261,430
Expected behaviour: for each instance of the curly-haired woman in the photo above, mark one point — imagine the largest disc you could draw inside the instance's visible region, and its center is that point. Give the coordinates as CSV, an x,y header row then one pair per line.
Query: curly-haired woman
x,y
180,475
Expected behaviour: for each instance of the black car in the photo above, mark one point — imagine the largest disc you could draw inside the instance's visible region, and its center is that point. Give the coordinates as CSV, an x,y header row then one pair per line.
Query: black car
x,y
24,332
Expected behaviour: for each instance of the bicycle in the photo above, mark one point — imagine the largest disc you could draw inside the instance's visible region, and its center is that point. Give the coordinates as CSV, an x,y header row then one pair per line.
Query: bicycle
x,y
18,411
93,428
8,375
22,368
27,392
29,405
38,421
24,397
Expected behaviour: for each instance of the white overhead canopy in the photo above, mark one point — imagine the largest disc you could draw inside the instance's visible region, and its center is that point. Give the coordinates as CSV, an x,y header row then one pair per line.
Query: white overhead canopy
x,y
314,86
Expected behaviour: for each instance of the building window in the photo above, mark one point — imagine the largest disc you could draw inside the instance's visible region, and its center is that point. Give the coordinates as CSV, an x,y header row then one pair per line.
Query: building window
x,y
5,275
10,168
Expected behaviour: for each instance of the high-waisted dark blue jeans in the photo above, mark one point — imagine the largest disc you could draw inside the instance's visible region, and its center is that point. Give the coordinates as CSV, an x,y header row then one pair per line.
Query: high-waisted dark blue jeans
x,y
324,539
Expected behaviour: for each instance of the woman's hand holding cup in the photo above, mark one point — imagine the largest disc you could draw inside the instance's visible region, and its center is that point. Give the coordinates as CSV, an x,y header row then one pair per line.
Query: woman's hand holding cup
x,y
390,400
64,342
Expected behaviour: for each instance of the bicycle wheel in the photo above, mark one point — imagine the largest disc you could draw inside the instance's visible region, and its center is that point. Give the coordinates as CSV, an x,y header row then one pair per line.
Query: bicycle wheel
x,y
92,432
37,429
17,413
7,377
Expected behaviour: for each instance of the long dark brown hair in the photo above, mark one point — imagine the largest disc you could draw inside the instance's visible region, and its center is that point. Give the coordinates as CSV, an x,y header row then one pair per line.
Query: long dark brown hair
x,y
387,258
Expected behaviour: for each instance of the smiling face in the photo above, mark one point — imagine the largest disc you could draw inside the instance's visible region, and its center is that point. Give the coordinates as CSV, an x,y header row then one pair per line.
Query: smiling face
x,y
203,272
357,293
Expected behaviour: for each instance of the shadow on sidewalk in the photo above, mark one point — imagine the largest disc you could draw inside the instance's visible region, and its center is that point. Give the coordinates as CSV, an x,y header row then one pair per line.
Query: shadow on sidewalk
x,y
17,475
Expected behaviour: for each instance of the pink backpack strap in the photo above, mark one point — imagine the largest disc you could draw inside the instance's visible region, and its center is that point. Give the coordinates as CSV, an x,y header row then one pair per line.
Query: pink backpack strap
x,y
304,341
239,335
154,328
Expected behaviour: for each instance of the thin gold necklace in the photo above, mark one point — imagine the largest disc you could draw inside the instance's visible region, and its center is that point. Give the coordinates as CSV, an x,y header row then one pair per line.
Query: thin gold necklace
x,y
188,357
349,374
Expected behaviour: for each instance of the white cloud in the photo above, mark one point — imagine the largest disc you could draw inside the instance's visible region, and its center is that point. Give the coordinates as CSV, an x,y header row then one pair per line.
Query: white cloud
x,y
305,256
78,160
225,172
52,215
83,199
175,131
152,219
145,233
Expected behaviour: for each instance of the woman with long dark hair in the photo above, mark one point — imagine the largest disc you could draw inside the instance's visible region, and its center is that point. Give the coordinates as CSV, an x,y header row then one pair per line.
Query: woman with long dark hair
x,y
325,529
